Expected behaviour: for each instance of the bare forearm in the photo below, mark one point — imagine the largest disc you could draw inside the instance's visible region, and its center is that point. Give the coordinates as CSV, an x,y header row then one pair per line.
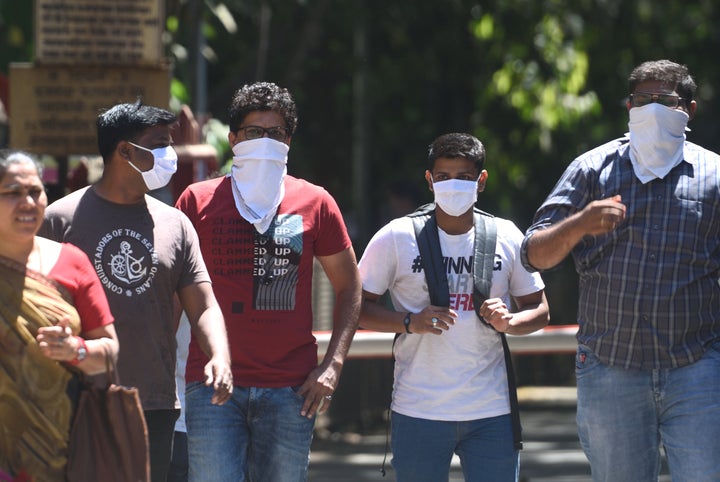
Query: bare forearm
x,y
345,323
97,352
529,320
378,318
548,247
211,334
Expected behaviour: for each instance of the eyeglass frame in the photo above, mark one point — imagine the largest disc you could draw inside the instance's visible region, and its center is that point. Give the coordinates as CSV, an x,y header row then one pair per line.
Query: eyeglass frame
x,y
265,130
655,97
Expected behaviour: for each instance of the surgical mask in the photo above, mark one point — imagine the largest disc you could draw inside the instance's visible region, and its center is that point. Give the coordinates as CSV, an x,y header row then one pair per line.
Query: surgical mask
x,y
455,196
164,166
258,171
657,138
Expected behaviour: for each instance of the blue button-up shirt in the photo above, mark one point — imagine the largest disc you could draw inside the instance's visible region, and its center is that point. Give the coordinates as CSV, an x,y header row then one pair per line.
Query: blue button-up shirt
x,y
649,295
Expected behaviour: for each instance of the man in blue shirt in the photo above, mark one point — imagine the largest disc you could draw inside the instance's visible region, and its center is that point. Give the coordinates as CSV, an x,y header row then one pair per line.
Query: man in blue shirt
x,y
641,217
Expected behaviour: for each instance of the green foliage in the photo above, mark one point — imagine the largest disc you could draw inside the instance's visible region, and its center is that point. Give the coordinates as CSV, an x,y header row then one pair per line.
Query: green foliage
x,y
215,133
179,95
16,33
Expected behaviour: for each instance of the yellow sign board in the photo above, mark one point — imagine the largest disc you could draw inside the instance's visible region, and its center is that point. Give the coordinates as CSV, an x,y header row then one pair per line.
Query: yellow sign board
x,y
54,109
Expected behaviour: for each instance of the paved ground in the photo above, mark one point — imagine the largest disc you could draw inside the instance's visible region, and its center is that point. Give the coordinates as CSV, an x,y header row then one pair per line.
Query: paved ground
x,y
551,452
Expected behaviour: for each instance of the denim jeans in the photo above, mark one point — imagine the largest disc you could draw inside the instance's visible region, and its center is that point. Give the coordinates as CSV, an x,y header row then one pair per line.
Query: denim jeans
x,y
624,415
422,449
256,436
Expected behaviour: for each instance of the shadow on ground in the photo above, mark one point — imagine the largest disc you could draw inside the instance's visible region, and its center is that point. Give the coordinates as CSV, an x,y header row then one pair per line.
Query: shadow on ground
x,y
551,451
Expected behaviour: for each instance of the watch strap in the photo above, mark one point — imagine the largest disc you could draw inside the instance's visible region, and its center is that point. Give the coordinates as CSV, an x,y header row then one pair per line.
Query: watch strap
x,y
406,322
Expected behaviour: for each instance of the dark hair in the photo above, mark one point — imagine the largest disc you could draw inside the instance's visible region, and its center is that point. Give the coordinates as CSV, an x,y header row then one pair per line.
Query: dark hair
x,y
454,145
262,96
664,71
13,156
126,122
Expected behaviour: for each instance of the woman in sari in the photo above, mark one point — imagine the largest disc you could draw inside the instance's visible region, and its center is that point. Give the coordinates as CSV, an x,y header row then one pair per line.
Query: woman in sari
x,y
54,319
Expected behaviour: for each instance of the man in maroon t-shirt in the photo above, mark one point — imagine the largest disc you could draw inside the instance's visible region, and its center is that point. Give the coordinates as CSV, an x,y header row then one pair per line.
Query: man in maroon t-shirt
x,y
260,231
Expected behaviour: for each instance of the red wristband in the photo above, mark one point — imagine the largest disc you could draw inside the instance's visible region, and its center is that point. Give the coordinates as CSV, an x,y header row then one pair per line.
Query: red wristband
x,y
82,351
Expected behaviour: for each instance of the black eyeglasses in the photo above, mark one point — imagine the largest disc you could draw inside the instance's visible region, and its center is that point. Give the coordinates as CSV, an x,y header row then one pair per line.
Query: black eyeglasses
x,y
639,99
277,133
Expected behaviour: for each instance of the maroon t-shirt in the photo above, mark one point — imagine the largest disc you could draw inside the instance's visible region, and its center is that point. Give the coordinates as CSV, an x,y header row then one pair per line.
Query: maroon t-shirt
x,y
264,283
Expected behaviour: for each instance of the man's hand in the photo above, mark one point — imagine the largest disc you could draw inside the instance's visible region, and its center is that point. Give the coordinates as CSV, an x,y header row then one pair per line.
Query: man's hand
x,y
496,313
318,389
219,376
603,216
432,319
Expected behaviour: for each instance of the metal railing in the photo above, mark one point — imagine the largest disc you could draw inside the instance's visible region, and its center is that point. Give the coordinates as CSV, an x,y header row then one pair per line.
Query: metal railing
x,y
550,340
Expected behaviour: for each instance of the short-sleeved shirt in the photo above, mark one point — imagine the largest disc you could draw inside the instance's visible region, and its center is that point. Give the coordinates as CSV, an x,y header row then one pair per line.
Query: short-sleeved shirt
x,y
75,273
142,253
459,375
264,283
649,292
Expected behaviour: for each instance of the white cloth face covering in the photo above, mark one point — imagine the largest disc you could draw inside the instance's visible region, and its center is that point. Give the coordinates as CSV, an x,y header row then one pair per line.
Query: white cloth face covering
x,y
657,138
258,171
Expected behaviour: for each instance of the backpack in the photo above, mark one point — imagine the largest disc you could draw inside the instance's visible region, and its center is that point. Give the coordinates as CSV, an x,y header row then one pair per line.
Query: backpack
x,y
428,240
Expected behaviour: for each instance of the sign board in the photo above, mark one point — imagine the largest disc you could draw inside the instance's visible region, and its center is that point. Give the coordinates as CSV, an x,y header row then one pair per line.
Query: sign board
x,y
98,32
54,108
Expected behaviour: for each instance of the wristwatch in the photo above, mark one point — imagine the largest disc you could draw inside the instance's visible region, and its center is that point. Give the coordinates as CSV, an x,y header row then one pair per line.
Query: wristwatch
x,y
406,322
81,351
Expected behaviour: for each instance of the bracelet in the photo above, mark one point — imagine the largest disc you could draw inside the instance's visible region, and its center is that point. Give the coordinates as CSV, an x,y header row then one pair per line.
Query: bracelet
x,y
406,322
82,351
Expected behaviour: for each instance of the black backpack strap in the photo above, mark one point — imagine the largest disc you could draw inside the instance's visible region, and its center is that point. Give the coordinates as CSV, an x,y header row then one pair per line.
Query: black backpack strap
x,y
428,240
512,394
483,262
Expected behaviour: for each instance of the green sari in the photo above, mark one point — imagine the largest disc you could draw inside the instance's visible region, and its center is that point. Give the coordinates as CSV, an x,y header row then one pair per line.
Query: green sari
x,y
36,393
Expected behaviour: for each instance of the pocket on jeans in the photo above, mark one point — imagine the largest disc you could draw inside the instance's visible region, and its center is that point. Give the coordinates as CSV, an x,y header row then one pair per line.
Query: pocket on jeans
x,y
294,390
585,361
193,387
714,350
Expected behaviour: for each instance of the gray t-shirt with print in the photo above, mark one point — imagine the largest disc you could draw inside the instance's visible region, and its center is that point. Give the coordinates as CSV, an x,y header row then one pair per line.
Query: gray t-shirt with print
x,y
143,253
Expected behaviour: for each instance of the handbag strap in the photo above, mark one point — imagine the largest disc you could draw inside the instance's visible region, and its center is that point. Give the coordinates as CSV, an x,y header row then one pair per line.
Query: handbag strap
x,y
112,376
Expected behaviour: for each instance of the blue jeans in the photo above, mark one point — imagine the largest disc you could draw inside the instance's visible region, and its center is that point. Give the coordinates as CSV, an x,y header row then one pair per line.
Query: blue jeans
x,y
422,449
624,415
256,436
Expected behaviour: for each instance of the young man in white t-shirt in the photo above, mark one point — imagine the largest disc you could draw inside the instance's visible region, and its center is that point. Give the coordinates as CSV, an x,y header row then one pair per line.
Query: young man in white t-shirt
x,y
451,391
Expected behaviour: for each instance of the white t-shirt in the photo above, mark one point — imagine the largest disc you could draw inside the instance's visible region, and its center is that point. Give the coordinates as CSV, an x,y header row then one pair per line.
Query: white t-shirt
x,y
459,375
183,341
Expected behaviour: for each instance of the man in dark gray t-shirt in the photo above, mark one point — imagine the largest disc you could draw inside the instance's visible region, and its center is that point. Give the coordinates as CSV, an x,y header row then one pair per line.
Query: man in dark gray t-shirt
x,y
145,252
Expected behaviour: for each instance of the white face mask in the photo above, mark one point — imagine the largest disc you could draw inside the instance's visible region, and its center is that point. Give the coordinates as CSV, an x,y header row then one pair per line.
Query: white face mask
x,y
164,166
258,171
657,137
455,196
